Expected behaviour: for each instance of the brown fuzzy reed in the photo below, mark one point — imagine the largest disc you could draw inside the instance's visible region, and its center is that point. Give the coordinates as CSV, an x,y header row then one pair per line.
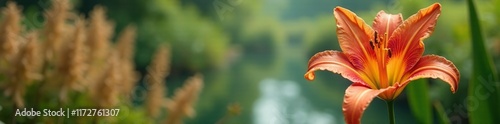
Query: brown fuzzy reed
x,y
158,70
72,65
99,33
55,27
125,43
181,104
106,92
10,30
125,46
24,69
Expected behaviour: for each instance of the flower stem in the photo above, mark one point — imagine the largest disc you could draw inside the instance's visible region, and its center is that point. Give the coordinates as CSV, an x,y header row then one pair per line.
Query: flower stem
x,y
390,107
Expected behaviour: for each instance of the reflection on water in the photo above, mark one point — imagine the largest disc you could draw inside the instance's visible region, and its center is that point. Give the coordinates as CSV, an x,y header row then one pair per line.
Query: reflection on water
x,y
281,102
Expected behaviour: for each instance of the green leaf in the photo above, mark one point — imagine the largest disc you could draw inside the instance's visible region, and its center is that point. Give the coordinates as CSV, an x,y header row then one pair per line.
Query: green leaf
x,y
418,98
442,116
483,93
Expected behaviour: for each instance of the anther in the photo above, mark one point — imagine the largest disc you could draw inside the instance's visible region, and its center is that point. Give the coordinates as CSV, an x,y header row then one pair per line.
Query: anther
x,y
389,53
371,44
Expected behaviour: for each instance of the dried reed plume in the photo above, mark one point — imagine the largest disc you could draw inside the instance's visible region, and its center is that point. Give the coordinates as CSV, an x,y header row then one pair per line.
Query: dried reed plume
x,y
10,29
106,91
125,47
55,27
99,34
126,42
158,70
79,56
182,103
72,65
24,70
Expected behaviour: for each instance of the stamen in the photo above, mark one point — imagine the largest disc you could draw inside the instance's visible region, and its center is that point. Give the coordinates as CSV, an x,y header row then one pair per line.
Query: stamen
x,y
371,44
379,43
389,53
376,39
386,36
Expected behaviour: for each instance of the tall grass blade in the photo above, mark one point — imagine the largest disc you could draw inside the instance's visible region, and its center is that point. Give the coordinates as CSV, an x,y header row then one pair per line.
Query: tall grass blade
x,y
482,106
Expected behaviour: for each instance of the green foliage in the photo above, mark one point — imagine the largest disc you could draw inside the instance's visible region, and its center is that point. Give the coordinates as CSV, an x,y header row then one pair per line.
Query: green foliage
x,y
263,41
132,115
442,116
420,103
482,110
199,44
320,34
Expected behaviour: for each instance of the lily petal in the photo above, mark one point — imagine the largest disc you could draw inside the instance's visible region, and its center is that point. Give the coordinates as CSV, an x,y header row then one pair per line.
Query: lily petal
x,y
335,62
356,100
406,42
386,23
354,37
433,66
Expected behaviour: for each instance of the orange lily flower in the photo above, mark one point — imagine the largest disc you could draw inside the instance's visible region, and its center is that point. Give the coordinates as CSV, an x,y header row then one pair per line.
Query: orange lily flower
x,y
381,60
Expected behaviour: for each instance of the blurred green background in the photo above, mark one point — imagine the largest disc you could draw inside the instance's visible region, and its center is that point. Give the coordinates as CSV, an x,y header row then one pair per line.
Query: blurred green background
x,y
255,52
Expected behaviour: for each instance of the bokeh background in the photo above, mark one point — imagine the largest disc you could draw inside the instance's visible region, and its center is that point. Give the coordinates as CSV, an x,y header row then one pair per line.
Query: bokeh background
x,y
253,55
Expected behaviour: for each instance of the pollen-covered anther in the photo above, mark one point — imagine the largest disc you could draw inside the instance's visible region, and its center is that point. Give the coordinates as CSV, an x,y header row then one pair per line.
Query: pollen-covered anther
x,y
371,44
389,52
